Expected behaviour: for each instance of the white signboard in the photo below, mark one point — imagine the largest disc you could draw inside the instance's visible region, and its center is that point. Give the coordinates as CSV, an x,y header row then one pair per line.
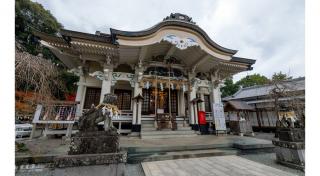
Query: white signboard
x,y
218,115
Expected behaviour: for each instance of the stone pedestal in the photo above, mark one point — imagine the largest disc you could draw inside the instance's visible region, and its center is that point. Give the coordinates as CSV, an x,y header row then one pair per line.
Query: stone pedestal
x,y
291,134
290,148
241,127
94,142
90,159
92,148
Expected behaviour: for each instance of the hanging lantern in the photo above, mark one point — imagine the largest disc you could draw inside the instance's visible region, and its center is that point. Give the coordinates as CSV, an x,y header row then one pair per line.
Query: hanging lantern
x,y
161,86
172,87
178,86
184,88
147,86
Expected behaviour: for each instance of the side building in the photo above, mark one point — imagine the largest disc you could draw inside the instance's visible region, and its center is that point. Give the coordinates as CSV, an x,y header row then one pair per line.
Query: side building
x,y
263,116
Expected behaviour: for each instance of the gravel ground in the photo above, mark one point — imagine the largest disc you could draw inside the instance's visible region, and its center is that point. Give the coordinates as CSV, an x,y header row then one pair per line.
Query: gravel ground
x,y
270,160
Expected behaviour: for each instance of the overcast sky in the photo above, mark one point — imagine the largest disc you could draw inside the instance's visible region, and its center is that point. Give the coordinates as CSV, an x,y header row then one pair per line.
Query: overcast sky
x,y
269,31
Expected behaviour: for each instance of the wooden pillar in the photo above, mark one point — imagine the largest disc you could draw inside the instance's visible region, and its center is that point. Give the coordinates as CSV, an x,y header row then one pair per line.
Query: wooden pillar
x,y
80,95
192,95
202,106
106,82
69,131
181,103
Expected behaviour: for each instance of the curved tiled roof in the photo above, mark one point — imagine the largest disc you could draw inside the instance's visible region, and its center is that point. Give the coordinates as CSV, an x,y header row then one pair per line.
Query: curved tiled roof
x,y
176,19
297,84
100,37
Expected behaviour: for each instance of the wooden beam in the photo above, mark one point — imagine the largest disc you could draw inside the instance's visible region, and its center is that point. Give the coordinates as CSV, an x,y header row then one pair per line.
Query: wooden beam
x,y
64,57
170,52
199,61
142,53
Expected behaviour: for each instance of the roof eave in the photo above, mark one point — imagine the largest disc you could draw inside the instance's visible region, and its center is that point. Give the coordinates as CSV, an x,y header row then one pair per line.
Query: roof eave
x,y
105,38
243,60
155,28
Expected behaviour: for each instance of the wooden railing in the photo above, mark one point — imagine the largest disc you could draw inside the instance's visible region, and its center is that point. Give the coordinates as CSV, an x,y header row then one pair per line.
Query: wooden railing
x,y
124,114
124,117
55,115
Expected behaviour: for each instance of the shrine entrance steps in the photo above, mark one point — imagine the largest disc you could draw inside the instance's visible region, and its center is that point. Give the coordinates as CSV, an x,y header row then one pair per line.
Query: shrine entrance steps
x,y
148,131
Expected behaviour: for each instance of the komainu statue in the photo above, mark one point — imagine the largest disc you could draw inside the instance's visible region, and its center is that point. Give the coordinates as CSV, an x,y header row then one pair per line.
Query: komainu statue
x,y
103,112
89,140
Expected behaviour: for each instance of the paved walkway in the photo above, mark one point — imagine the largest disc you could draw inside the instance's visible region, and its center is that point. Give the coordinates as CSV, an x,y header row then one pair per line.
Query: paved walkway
x,y
210,166
197,140
58,146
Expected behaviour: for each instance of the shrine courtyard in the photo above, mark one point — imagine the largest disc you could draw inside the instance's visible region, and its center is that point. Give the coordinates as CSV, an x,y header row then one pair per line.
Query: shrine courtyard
x,y
172,156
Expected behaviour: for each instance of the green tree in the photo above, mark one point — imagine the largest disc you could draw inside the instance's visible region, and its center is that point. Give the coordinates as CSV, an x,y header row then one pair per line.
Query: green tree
x,y
32,16
229,88
253,80
280,76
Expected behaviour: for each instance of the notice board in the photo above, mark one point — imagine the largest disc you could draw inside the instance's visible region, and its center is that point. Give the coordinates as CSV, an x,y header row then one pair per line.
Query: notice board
x,y
218,116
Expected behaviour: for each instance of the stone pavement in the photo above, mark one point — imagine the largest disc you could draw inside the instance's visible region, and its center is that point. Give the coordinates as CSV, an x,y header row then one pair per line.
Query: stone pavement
x,y
269,159
262,135
58,146
210,166
226,140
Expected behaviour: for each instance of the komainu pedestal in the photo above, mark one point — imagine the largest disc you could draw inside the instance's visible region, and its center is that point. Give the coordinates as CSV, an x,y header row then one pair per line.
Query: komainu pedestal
x,y
290,147
90,146
94,142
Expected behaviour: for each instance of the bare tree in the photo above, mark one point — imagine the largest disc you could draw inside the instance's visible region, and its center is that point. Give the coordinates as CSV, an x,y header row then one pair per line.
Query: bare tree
x,y
36,74
287,95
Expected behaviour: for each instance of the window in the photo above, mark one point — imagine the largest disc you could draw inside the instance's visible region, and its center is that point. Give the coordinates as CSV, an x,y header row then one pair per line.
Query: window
x,y
148,104
174,101
92,97
207,104
124,99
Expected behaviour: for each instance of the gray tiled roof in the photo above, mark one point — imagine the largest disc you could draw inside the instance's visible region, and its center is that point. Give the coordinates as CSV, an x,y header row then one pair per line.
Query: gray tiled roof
x,y
239,105
262,90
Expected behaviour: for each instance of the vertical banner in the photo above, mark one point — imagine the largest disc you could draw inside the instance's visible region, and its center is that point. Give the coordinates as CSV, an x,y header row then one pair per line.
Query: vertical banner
x,y
218,115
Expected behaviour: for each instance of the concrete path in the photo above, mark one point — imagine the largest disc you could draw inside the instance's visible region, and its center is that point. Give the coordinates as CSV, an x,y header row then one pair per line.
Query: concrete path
x,y
210,166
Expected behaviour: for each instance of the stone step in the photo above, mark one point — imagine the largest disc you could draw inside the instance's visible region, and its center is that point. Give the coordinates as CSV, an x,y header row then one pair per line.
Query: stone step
x,y
147,125
158,156
154,129
167,136
164,135
166,132
152,125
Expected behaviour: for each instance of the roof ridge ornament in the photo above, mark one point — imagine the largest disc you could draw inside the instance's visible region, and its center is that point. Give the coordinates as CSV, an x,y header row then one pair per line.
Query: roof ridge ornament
x,y
180,17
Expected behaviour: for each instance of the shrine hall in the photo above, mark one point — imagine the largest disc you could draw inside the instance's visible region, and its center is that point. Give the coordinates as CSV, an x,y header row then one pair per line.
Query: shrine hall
x,y
163,76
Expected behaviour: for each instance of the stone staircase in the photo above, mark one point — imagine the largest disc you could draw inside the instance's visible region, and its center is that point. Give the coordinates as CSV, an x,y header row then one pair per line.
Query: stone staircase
x,y
148,131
